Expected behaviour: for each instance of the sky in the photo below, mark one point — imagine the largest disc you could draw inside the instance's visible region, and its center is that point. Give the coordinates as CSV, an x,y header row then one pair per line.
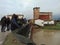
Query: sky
x,y
25,7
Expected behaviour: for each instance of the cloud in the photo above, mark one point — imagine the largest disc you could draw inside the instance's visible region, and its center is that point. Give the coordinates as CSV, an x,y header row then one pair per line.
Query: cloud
x,y
26,6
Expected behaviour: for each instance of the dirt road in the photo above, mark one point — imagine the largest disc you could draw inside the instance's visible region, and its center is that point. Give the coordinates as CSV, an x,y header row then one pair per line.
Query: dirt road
x,y
3,35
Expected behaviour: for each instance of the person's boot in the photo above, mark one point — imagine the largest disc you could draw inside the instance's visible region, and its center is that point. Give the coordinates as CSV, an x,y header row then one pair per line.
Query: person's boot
x,y
7,29
3,31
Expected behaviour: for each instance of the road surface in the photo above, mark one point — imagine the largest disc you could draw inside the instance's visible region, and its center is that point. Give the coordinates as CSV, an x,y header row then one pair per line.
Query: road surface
x,y
3,35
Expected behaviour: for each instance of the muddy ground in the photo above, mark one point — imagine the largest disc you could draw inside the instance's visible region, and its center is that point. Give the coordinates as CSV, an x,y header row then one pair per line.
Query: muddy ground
x,y
46,37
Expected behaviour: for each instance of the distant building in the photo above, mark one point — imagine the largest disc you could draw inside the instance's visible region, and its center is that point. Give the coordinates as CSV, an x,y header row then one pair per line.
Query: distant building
x,y
41,15
42,18
45,16
36,12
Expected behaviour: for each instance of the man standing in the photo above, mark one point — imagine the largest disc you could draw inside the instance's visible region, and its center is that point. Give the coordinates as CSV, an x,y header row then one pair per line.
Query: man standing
x,y
3,24
8,23
14,23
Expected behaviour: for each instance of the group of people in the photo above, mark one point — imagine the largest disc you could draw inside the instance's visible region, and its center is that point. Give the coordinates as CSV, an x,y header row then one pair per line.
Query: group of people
x,y
5,22
20,24
11,24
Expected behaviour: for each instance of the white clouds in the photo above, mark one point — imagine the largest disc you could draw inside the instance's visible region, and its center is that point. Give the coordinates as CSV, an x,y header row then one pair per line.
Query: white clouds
x,y
26,6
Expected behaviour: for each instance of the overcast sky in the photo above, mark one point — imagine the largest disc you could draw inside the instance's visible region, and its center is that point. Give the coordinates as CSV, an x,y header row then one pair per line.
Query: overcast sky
x,y
26,7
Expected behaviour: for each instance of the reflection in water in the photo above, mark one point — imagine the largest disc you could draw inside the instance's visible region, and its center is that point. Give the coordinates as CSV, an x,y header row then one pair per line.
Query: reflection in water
x,y
47,37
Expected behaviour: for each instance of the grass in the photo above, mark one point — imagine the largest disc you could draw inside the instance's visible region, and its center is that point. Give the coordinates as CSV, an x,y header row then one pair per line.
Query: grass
x,y
52,27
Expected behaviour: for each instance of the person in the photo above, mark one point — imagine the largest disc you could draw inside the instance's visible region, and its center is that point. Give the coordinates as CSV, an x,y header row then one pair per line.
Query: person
x,y
21,32
3,24
8,23
24,30
14,23
25,20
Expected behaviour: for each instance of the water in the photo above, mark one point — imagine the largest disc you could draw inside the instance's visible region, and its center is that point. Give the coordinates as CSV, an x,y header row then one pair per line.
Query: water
x,y
47,37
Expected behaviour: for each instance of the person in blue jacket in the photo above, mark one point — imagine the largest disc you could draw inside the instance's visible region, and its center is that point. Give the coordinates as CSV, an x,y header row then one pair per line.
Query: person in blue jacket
x,y
14,23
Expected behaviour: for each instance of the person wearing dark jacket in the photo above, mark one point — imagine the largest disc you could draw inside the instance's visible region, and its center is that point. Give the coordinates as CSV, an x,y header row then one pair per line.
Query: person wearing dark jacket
x,y
3,24
14,23
8,23
21,32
